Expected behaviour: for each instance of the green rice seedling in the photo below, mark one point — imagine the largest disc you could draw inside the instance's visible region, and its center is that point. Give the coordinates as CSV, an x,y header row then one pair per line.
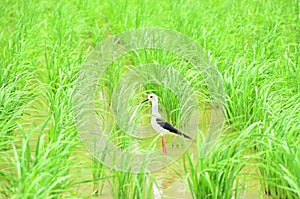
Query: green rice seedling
x,y
255,45
279,145
143,186
129,185
217,175
280,176
290,170
5,173
15,75
38,169
98,175
14,96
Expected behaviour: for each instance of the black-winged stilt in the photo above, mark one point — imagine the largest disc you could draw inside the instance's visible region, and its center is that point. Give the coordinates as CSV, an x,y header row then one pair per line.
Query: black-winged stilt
x,y
159,124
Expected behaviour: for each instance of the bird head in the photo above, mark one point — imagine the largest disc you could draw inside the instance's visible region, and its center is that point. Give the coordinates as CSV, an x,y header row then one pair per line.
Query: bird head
x,y
151,97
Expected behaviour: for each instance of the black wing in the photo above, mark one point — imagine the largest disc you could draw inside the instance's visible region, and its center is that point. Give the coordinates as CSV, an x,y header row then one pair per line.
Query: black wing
x,y
171,128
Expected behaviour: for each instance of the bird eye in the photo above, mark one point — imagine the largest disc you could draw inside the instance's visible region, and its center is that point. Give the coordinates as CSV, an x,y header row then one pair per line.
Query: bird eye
x,y
151,96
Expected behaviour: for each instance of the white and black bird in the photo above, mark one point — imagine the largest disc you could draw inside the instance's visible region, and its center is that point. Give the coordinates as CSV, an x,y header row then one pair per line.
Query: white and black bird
x,y
159,124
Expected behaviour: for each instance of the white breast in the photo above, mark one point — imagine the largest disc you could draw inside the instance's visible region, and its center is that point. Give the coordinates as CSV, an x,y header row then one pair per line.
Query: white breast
x,y
157,127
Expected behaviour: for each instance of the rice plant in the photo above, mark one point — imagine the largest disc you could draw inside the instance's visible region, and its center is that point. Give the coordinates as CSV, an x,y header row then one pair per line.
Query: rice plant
x,y
254,44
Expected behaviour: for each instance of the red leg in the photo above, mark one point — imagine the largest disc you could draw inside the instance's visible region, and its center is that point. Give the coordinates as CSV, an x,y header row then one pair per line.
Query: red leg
x,y
164,149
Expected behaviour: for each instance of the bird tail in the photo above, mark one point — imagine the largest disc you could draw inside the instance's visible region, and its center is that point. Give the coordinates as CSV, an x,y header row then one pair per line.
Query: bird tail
x,y
184,135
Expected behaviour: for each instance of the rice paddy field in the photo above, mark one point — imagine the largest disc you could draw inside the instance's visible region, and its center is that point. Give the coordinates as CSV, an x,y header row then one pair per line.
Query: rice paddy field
x,y
255,45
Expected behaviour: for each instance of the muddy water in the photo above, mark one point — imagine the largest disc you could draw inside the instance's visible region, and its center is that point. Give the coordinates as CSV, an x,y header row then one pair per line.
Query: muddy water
x,y
168,183
173,186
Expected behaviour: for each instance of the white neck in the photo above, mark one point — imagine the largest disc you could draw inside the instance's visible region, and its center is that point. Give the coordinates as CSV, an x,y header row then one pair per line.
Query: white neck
x,y
155,112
